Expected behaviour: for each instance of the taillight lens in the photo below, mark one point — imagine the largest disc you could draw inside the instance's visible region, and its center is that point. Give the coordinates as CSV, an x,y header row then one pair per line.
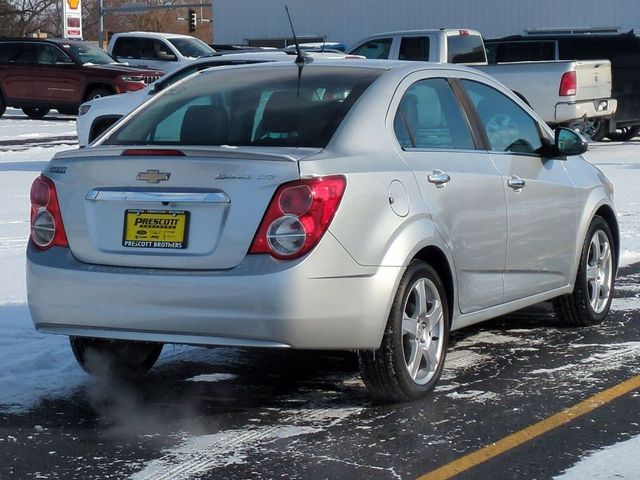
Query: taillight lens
x,y
568,85
298,216
47,229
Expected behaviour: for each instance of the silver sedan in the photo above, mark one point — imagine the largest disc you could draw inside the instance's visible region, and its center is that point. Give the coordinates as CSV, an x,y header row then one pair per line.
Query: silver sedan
x,y
372,206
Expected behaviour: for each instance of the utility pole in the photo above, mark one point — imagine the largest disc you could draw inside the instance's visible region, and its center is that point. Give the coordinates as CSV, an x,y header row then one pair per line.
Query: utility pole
x,y
100,24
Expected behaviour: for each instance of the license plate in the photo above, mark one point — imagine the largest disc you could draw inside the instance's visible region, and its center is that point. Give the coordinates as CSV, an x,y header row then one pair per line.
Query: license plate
x,y
155,229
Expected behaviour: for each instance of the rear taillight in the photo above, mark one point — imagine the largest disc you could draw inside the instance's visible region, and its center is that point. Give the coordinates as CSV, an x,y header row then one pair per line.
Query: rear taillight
x,y
298,216
46,222
568,85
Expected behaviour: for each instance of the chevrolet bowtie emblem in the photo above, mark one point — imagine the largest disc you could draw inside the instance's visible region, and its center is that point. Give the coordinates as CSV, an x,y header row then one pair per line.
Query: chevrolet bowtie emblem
x,y
153,176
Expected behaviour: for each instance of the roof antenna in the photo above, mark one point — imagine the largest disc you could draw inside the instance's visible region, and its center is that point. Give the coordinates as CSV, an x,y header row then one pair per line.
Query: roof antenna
x,y
300,59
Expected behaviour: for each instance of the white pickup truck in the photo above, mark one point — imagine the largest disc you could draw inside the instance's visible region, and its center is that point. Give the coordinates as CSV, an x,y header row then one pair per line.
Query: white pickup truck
x,y
571,93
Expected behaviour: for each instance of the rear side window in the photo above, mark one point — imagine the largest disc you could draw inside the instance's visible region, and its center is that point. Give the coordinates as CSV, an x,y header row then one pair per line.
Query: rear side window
x,y
429,117
465,49
378,48
18,52
414,48
266,107
126,48
509,128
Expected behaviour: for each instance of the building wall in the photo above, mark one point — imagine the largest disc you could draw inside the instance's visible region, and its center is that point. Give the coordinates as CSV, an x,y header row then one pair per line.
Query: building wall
x,y
349,20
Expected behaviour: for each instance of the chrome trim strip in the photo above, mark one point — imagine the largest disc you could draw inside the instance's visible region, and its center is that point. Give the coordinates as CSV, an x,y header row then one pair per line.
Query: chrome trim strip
x,y
149,196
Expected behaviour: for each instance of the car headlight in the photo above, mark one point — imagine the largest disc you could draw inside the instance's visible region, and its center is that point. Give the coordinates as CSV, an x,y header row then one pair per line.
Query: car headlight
x,y
132,78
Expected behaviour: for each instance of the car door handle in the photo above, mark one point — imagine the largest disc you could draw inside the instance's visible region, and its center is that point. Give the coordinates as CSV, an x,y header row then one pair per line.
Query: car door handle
x,y
516,182
439,178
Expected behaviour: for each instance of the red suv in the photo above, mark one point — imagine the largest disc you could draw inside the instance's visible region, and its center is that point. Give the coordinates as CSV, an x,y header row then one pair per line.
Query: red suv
x,y
37,75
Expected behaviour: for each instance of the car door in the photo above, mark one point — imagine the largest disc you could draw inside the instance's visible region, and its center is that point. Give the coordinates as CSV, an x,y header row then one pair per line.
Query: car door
x,y
57,76
541,198
459,183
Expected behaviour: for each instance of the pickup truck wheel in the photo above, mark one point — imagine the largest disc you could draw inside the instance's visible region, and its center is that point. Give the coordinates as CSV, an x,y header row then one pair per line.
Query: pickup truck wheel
x,y
97,93
35,112
411,357
114,357
590,300
624,134
591,129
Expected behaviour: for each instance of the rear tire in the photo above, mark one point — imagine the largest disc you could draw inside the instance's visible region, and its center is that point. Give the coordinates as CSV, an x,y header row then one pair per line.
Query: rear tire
x,y
409,362
591,129
590,300
97,93
35,112
117,358
624,134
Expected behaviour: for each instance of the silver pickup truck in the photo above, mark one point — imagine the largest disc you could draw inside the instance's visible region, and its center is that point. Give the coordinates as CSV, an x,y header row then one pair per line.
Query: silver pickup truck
x,y
571,93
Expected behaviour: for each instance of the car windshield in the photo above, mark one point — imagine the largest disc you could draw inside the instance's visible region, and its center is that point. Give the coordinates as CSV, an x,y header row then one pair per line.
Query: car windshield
x,y
88,54
191,47
271,106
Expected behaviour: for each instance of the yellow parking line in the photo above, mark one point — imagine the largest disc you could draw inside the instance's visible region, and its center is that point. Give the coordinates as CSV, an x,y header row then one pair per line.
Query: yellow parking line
x,y
531,432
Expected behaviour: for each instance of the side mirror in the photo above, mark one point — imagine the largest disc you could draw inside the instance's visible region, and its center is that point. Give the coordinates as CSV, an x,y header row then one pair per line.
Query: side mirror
x,y
569,142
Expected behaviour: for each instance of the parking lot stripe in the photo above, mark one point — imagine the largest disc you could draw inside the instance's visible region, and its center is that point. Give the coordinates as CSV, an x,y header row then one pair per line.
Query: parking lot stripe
x,y
533,431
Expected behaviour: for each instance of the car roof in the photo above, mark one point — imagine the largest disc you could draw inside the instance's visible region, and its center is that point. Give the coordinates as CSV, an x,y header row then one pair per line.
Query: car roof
x,y
152,35
425,32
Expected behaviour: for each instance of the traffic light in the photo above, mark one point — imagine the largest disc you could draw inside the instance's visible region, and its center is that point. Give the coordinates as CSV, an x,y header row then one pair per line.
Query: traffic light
x,y
193,20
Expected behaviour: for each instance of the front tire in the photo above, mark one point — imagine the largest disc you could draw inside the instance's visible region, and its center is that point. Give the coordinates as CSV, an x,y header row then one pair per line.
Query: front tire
x,y
35,112
117,358
409,362
593,291
97,93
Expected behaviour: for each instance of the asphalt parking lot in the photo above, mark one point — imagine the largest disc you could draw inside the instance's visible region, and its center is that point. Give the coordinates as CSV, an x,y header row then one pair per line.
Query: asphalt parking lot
x,y
259,414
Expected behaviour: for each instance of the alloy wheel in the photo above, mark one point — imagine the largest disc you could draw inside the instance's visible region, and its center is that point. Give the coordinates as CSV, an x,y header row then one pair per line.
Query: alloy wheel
x,y
423,331
599,271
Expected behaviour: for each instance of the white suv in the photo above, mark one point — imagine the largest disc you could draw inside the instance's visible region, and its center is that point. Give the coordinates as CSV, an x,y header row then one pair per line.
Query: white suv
x,y
162,51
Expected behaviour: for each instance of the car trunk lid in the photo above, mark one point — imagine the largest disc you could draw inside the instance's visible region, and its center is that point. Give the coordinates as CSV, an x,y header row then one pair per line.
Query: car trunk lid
x,y
187,209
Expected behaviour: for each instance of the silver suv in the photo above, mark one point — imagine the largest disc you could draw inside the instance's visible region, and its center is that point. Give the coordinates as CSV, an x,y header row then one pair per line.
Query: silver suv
x,y
370,206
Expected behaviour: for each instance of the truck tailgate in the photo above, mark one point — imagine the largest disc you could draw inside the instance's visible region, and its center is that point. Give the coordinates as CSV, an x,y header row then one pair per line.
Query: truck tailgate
x,y
593,79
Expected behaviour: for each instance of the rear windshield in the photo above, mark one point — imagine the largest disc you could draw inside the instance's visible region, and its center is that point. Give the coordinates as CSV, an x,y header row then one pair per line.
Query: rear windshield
x,y
262,106
191,47
465,49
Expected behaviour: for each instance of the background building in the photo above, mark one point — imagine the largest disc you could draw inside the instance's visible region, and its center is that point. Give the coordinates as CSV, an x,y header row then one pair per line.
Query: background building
x,y
349,20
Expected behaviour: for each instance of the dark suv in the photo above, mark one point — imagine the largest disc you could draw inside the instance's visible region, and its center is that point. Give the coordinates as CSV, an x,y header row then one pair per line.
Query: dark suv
x,y
37,75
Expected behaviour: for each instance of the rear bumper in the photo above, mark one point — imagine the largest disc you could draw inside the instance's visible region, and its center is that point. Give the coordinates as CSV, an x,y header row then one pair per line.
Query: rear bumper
x,y
312,304
601,108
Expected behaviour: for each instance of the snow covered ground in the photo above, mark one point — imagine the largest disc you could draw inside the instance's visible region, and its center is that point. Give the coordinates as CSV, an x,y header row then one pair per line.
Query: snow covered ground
x,y
36,366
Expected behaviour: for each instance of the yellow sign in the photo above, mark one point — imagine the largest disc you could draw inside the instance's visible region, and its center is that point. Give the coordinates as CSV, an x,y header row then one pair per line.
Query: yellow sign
x,y
73,4
155,229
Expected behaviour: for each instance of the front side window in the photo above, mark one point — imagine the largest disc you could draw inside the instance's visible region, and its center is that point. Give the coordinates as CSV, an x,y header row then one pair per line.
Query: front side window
x,y
50,55
191,47
151,49
429,117
508,127
378,48
414,48
271,106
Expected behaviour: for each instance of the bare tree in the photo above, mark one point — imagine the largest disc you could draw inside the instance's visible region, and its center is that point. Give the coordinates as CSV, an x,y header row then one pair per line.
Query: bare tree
x,y
31,16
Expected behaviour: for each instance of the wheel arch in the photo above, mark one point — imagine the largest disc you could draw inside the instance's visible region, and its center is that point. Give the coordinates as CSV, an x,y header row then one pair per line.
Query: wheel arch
x,y
435,257
606,212
93,86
